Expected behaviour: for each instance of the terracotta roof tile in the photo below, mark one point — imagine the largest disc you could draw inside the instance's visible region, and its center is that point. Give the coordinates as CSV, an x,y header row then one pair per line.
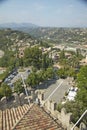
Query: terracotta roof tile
x,y
37,119
27,118
10,117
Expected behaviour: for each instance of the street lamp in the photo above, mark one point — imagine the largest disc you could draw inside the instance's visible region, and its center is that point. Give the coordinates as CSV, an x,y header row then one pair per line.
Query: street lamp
x,y
25,89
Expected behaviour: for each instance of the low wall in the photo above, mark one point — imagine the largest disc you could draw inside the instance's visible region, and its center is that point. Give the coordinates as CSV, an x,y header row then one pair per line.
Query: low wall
x,y
15,101
65,118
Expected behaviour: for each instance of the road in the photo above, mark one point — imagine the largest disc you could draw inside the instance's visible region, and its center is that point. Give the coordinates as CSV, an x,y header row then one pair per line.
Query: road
x,y
60,91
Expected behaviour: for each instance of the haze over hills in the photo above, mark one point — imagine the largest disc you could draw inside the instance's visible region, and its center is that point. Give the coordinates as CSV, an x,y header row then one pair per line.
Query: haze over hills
x,y
51,34
10,38
58,35
18,25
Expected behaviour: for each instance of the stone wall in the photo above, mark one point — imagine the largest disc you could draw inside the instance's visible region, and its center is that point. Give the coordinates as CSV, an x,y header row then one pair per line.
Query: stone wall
x,y
15,101
63,117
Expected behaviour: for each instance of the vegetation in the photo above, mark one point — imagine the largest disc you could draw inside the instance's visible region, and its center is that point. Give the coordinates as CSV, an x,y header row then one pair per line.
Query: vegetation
x,y
5,90
82,85
9,37
43,65
8,60
34,57
34,79
18,87
4,74
81,98
60,35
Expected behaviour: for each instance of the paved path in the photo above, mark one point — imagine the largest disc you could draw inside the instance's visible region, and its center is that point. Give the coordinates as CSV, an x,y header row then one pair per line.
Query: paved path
x,y
60,92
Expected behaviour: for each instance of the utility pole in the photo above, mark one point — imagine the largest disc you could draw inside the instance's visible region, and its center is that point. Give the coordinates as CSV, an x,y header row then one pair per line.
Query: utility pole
x,y
25,89
79,120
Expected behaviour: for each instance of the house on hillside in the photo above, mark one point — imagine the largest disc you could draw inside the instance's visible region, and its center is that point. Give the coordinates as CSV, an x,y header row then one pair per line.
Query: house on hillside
x,y
1,53
21,51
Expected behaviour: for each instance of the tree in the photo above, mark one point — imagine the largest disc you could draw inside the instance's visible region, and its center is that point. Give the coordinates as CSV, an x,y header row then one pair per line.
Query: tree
x,y
18,86
46,61
82,85
33,57
62,73
82,78
72,107
82,97
33,80
62,54
5,90
71,72
50,73
8,59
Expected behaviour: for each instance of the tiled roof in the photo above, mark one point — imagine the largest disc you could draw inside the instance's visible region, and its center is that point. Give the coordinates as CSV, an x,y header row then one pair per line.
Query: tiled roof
x,y
37,119
10,117
27,118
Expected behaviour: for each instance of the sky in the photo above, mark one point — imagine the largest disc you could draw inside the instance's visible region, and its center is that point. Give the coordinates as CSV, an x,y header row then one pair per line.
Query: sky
x,y
55,13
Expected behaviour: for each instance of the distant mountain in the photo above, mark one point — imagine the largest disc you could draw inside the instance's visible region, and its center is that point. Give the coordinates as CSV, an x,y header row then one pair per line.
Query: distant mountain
x,y
18,25
51,34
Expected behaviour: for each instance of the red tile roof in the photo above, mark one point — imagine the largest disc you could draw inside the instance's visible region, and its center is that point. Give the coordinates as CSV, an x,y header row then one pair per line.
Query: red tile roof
x,y
10,117
27,118
37,119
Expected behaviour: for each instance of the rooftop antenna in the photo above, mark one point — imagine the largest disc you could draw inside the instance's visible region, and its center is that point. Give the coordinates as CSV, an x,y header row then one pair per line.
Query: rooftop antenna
x,y
25,89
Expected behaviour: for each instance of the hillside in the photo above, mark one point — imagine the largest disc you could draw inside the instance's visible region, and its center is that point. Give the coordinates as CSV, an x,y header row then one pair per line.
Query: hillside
x,y
50,34
60,35
10,38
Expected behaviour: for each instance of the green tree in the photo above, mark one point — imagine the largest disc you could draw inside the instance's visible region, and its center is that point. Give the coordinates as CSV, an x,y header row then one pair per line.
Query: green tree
x,y
62,54
5,90
50,73
82,97
62,73
32,80
18,86
71,72
8,59
82,85
72,107
46,61
82,78
33,57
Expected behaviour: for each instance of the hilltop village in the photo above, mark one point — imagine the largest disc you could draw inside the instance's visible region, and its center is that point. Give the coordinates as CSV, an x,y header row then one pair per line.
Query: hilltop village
x,y
43,79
